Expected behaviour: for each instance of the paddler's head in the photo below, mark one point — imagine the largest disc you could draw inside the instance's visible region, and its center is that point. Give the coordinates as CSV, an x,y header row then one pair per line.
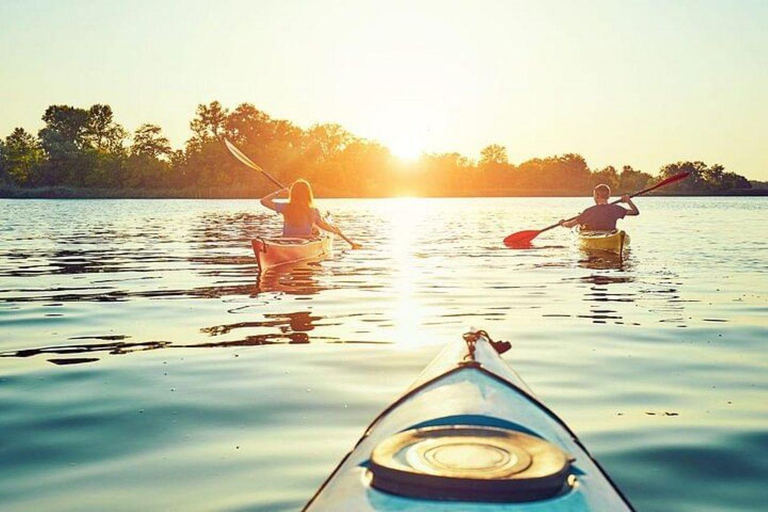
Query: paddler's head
x,y
601,193
301,194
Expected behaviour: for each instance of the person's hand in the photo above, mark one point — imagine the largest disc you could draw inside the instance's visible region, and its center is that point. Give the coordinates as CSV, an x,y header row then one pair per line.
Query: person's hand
x,y
561,222
625,198
284,192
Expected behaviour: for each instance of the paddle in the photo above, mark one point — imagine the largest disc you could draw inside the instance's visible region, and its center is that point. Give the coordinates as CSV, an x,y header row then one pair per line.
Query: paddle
x,y
250,163
522,239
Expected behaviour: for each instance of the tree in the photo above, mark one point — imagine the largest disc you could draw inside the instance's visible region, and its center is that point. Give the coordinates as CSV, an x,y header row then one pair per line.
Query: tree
x,y
149,141
63,140
493,154
446,173
65,129
733,181
84,147
248,125
209,123
607,176
147,166
275,144
21,156
102,133
631,180
702,179
326,141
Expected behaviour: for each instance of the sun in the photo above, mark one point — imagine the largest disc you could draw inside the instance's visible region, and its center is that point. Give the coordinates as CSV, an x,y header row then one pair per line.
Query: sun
x,y
407,149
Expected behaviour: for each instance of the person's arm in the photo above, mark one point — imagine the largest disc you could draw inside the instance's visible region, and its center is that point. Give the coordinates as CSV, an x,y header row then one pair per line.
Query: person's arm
x,y
320,222
269,199
632,208
569,223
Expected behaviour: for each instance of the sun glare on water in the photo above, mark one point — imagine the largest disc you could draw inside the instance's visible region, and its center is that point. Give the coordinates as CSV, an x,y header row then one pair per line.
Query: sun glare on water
x,y
408,314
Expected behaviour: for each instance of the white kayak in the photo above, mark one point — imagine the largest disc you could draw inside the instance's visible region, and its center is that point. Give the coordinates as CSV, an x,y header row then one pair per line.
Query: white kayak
x,y
469,436
273,252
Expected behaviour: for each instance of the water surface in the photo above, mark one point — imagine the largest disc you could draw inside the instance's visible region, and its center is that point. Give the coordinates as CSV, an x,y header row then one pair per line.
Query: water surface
x,y
144,363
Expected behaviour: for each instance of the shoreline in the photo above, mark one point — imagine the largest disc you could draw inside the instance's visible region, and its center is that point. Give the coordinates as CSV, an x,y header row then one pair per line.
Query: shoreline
x,y
88,193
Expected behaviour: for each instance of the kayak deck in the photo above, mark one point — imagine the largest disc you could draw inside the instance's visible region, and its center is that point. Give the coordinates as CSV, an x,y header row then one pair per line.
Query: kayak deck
x,y
467,390
273,252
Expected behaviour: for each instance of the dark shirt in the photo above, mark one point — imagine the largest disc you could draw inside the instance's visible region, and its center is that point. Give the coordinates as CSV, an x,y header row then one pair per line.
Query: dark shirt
x,y
601,217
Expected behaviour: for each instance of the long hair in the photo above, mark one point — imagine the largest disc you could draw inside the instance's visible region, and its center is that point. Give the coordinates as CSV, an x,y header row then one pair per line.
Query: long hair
x,y
301,199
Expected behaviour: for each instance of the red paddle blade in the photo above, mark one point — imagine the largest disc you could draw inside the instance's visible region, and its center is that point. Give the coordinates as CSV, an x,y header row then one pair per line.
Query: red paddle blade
x,y
521,239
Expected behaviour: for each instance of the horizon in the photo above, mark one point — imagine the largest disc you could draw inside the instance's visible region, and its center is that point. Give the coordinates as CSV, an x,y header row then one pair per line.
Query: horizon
x,y
544,79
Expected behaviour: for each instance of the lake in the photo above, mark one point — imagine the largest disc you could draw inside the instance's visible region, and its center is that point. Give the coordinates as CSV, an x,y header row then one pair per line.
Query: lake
x,y
145,365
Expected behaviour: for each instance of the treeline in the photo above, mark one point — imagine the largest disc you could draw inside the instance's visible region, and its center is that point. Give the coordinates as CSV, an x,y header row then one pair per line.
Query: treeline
x,y
85,152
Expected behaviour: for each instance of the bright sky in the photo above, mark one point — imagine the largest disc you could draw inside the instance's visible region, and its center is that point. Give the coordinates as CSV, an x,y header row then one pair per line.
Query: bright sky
x,y
643,83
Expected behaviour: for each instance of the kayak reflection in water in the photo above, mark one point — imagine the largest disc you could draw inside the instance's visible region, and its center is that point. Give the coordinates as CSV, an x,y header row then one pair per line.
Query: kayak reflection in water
x,y
602,216
300,217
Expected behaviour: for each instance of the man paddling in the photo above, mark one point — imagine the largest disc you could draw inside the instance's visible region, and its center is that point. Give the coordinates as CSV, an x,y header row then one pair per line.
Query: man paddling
x,y
602,216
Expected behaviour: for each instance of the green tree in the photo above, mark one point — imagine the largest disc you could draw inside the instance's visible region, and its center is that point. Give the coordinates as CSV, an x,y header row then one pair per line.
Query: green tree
x,y
21,156
148,140
64,142
702,179
733,181
102,133
607,176
147,165
84,147
631,180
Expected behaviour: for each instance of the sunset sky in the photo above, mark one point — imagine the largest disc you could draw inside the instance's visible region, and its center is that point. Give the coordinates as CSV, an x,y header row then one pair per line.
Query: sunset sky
x,y
643,83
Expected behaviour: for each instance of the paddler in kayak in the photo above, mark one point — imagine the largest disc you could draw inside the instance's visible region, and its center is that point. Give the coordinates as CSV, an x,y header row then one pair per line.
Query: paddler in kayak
x,y
300,217
602,216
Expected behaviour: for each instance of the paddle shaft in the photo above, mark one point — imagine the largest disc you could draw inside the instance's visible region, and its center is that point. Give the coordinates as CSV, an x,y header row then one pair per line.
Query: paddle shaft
x,y
667,181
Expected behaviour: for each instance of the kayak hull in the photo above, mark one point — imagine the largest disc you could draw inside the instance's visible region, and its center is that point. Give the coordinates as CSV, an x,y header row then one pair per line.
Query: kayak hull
x,y
461,390
614,242
274,252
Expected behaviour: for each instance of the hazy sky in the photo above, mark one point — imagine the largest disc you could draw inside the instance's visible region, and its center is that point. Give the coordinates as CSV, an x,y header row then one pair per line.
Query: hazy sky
x,y
643,83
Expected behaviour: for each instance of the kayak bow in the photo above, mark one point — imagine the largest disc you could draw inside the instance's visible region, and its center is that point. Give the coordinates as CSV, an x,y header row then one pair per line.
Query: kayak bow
x,y
469,435
272,252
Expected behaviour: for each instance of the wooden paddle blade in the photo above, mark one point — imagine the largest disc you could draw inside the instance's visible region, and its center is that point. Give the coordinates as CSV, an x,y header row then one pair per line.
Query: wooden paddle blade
x,y
241,156
521,239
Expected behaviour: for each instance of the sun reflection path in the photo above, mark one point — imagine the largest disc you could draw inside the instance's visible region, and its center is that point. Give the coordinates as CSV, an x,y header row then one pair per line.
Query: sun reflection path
x,y
404,215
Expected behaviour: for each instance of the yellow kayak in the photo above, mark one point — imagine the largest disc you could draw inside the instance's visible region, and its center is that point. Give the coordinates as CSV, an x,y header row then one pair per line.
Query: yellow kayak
x,y
608,241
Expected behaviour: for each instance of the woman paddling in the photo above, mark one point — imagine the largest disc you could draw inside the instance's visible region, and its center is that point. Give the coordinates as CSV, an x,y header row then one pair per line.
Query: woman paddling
x,y
300,217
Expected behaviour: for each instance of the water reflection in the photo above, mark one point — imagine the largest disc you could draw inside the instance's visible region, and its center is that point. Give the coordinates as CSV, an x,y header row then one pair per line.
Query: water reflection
x,y
301,278
116,347
288,324
292,328
601,260
612,281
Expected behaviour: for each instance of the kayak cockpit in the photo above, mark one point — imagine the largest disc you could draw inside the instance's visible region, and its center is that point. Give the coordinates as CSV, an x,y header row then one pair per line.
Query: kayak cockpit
x,y
469,463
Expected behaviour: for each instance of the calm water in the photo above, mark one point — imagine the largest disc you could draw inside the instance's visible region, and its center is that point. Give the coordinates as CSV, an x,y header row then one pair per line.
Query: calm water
x,y
144,363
